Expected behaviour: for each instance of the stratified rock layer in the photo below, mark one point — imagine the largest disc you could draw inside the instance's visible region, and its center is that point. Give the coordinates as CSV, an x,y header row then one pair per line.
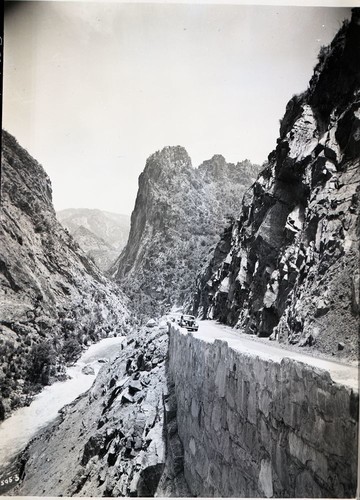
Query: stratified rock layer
x,y
179,214
289,266
53,299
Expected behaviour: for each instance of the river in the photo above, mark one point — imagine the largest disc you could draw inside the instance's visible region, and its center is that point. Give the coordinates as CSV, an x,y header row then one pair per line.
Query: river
x,y
17,430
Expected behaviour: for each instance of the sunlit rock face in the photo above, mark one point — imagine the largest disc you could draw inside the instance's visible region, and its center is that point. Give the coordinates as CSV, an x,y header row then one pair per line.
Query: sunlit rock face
x,y
178,216
54,300
288,267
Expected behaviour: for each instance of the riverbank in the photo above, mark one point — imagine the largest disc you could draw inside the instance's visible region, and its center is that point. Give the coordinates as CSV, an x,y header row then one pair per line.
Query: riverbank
x,y
24,423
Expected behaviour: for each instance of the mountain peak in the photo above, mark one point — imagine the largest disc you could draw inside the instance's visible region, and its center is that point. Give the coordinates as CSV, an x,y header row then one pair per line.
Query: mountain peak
x,y
214,169
176,219
164,164
170,155
102,235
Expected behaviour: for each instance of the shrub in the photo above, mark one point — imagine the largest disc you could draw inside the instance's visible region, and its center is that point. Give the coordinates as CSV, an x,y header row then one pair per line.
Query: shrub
x,y
5,390
2,411
41,358
71,350
15,402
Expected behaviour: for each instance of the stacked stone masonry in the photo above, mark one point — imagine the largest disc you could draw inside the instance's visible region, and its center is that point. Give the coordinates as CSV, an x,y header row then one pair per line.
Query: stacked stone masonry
x,y
254,427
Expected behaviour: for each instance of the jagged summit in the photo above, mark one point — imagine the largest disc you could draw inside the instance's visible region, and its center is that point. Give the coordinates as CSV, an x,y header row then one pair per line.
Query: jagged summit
x,y
179,213
170,159
218,169
171,153
215,168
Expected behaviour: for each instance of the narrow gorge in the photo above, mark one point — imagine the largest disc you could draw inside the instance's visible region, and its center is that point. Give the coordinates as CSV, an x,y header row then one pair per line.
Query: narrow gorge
x,y
262,399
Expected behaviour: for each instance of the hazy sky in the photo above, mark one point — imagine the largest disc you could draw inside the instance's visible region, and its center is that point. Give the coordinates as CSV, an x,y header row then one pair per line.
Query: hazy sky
x,y
92,89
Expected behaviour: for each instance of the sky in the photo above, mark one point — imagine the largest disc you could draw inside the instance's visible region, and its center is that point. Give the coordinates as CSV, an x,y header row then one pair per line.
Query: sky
x,y
92,89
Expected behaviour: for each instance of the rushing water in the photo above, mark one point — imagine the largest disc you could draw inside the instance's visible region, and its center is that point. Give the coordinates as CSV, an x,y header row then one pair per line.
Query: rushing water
x,y
17,430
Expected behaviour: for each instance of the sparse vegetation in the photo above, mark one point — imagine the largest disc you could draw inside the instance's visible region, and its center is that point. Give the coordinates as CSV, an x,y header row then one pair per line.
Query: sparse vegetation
x,y
71,350
41,361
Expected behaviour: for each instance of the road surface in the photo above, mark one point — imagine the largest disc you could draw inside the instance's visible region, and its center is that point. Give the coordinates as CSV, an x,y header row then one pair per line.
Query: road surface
x,y
346,374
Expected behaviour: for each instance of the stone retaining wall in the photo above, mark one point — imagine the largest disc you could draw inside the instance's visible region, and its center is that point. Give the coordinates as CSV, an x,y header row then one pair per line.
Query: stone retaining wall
x,y
253,427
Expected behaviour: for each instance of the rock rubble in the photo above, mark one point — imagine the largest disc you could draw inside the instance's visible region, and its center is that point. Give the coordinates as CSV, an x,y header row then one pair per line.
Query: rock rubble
x,y
108,442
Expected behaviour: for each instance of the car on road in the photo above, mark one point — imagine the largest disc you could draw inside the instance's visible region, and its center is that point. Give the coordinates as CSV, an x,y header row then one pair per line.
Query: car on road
x,y
189,322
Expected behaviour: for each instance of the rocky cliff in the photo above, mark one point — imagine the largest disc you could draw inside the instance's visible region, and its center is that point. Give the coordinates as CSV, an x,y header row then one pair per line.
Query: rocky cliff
x,y
179,213
54,300
288,267
102,235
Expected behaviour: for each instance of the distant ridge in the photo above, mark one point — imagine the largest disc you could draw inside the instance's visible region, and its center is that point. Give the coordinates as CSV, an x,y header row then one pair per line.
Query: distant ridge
x,y
101,234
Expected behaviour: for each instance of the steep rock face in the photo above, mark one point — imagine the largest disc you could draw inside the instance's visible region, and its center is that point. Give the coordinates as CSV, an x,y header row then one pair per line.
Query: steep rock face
x,y
289,266
102,235
111,436
178,215
53,299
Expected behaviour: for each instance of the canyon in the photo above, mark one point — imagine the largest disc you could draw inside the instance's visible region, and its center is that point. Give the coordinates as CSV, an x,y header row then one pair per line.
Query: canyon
x,y
54,300
263,400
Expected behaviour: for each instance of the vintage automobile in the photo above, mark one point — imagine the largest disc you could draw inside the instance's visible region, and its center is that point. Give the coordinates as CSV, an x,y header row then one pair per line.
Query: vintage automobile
x,y
189,322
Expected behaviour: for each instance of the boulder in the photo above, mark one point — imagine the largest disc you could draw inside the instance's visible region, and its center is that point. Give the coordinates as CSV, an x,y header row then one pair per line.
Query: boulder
x,y
88,370
102,360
